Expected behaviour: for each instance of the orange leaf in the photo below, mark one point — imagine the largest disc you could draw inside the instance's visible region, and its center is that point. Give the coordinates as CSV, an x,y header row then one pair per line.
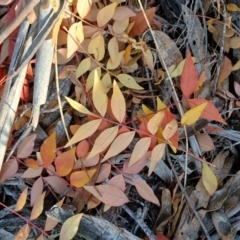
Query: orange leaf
x,y
48,149
70,227
118,104
21,200
9,168
170,129
140,24
192,115
110,195
189,77
83,7
84,131
225,71
103,141
139,150
82,149
31,163
38,207
80,178
210,112
119,144
145,191
64,162
23,233
105,14
99,96
156,156
155,122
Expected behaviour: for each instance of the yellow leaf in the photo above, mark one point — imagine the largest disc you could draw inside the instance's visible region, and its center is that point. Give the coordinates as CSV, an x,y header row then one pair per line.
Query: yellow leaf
x,y
232,7
106,14
113,49
119,144
83,67
99,96
96,47
21,200
170,129
160,104
38,207
236,66
191,116
139,150
107,82
128,81
120,26
55,5
83,7
70,226
209,179
148,113
80,178
79,107
156,156
75,36
155,122
234,42
148,58
84,131
103,141
114,65
127,53
118,104
90,79
23,233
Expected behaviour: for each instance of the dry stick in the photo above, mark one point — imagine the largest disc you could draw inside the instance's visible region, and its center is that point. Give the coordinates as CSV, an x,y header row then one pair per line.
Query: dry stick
x,y
140,222
220,58
18,20
175,96
187,197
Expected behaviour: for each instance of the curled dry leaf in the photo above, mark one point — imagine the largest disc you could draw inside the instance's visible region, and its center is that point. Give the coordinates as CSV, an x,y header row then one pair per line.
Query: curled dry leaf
x,y
110,195
70,227
139,150
84,131
119,144
103,141
106,14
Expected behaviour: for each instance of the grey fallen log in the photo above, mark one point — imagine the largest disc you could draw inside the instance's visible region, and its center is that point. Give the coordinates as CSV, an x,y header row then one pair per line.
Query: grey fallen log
x,y
92,228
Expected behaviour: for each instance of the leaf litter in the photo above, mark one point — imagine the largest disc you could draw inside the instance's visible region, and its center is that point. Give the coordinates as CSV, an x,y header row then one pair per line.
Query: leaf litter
x,y
149,112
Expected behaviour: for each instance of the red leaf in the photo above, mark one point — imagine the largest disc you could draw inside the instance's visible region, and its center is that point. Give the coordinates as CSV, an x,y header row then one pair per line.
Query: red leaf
x,y
189,77
140,24
110,195
117,181
37,189
64,162
48,149
145,191
210,112
9,168
32,172
58,185
26,147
